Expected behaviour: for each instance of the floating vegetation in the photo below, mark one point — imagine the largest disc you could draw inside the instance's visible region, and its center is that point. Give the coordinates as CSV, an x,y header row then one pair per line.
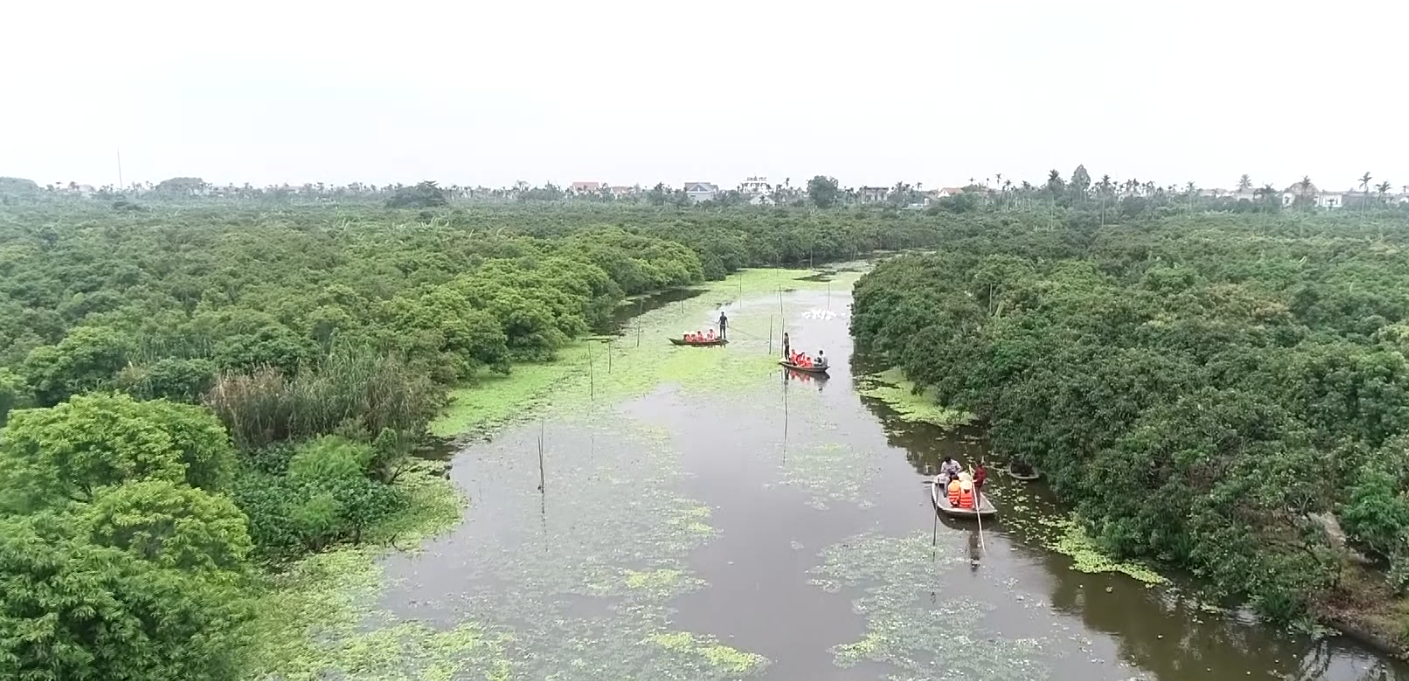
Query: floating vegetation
x,y
578,576
891,387
309,628
829,471
911,623
718,656
1087,556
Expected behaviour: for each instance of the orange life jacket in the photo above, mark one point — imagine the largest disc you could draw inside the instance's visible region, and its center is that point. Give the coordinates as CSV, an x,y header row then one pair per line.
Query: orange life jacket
x,y
966,498
954,492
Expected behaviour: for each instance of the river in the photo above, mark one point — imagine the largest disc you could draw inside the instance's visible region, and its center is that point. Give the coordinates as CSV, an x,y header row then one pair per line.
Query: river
x,y
704,515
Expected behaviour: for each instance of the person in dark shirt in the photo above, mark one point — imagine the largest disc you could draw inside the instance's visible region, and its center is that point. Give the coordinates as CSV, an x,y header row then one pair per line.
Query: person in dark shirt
x,y
723,326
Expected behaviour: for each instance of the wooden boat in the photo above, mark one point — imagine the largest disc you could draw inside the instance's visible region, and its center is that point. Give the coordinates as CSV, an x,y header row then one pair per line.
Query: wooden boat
x,y
682,341
1025,478
807,370
986,509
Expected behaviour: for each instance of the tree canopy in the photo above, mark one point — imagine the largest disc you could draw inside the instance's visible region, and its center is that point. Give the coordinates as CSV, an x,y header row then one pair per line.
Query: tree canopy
x,y
1193,384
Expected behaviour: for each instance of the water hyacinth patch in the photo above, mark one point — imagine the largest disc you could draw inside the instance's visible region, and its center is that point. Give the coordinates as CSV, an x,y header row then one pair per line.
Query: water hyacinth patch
x,y
911,623
891,387
1087,556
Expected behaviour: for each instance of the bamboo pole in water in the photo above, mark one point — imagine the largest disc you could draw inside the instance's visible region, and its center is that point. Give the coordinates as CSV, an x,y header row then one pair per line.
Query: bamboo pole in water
x,y
781,313
591,375
770,334
542,428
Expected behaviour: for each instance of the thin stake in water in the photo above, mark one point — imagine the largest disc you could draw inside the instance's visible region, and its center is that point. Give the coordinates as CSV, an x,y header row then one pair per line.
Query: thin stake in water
x,y
542,430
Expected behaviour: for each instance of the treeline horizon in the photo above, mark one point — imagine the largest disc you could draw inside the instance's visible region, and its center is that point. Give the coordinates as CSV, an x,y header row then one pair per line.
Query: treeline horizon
x,y
820,191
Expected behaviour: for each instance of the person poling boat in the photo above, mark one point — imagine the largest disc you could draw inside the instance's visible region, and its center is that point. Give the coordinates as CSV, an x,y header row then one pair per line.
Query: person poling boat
x,y
723,326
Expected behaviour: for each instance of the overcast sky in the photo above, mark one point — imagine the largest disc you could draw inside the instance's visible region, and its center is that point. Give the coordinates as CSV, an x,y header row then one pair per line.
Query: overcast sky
x,y
480,93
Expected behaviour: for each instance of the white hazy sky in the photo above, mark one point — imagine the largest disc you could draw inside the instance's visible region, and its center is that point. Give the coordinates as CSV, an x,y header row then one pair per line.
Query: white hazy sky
x,y
629,91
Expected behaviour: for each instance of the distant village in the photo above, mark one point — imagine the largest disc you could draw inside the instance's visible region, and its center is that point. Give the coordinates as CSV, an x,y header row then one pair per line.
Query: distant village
x,y
756,190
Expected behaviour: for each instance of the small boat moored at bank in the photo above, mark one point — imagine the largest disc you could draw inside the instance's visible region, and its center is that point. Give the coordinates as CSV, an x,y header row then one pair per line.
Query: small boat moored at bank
x,y
1031,475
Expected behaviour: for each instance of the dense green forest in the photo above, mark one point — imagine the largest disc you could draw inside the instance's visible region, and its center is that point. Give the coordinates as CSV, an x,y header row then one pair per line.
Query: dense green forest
x,y
1206,389
196,393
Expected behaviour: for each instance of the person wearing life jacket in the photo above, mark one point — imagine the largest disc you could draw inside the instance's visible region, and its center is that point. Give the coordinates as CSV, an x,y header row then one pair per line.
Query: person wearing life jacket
x,y
966,492
954,492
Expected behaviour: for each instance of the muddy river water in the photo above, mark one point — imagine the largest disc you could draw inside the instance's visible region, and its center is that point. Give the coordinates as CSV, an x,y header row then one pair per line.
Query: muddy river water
x,y
705,515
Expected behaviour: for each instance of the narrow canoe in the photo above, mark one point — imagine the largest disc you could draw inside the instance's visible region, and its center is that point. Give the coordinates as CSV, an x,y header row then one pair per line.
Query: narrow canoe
x,y
807,370
1025,478
986,508
681,341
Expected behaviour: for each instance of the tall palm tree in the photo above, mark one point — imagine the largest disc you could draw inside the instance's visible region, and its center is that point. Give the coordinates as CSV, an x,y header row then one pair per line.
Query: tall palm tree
x,y
1304,190
1365,186
1383,189
1244,183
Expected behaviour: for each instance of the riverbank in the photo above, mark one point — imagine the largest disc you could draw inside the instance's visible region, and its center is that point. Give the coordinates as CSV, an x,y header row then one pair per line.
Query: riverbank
x,y
697,514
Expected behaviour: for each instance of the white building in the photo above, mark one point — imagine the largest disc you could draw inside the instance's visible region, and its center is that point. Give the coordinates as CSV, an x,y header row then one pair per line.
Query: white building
x,y
701,191
873,194
755,186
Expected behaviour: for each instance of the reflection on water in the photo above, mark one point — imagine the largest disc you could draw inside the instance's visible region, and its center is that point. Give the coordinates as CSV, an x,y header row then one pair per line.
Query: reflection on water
x,y
692,536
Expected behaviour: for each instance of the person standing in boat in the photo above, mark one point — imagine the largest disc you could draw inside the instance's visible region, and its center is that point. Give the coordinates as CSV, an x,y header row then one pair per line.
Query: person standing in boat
x,y
980,474
787,347
723,326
